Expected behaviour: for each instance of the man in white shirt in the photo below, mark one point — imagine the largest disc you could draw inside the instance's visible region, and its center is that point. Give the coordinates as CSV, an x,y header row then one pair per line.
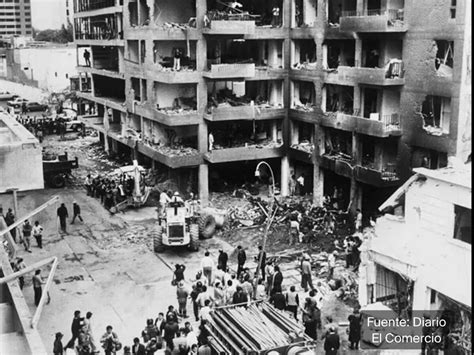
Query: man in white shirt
x,y
38,234
331,264
294,231
207,265
204,313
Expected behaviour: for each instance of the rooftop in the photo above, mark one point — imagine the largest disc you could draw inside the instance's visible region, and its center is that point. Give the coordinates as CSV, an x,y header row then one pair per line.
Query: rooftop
x,y
458,175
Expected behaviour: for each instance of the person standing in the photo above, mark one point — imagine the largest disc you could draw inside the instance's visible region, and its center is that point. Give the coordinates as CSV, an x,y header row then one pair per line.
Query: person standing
x,y
222,260
309,318
197,289
276,17
9,220
292,301
75,329
261,261
137,348
27,229
358,221
277,279
278,300
110,341
177,59
211,141
207,265
76,210
37,282
241,258
88,185
331,264
87,57
88,328
58,345
182,295
332,343
18,266
38,234
355,324
306,278
294,230
63,215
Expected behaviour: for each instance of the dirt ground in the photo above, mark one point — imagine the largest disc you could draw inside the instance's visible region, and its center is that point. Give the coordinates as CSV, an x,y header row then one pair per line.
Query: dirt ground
x,y
108,258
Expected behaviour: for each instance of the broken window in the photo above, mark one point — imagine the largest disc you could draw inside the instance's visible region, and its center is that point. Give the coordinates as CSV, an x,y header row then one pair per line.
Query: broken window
x,y
109,87
164,54
168,13
87,5
304,54
338,143
175,141
263,12
105,57
394,290
452,9
462,224
339,8
246,134
264,94
135,84
305,12
302,136
444,60
143,13
142,51
133,51
371,50
368,153
339,98
372,101
304,96
104,27
429,159
436,112
133,13
175,99
339,52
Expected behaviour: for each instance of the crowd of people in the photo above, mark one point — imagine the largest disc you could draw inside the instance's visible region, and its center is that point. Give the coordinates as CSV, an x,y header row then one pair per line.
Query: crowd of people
x,y
44,125
110,190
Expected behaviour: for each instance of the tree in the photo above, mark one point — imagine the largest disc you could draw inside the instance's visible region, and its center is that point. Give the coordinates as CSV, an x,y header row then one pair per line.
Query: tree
x,y
63,35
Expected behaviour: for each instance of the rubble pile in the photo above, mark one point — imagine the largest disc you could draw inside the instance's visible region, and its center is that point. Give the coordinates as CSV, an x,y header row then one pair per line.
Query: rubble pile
x,y
304,146
177,150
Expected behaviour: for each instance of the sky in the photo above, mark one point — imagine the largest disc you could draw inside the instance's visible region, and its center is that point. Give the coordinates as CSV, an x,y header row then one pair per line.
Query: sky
x,y
48,14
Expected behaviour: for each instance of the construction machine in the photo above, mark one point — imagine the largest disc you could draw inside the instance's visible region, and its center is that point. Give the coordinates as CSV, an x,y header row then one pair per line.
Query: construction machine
x,y
140,192
56,169
175,228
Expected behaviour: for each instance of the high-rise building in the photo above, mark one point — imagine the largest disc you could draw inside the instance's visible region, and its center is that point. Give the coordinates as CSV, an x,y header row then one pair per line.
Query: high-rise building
x,y
15,18
342,98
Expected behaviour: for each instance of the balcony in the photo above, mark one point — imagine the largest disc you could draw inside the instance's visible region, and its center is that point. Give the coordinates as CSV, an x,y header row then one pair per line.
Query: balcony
x,y
166,32
230,24
385,177
391,20
344,75
111,102
161,74
167,117
269,73
174,158
245,112
305,115
388,126
103,72
249,152
229,71
302,152
339,163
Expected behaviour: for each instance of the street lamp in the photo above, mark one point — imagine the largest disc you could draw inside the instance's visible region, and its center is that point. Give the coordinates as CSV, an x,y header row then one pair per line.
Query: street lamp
x,y
270,216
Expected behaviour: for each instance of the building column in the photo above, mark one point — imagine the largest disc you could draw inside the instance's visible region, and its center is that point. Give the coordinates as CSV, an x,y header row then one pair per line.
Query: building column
x,y
358,52
421,294
274,129
285,176
318,185
204,184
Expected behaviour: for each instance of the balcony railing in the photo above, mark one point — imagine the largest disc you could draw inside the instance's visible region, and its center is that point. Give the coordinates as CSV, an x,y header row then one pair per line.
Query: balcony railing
x,y
86,5
392,14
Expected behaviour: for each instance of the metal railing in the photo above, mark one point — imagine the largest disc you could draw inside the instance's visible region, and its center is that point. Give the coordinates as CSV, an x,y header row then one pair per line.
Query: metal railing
x,y
88,5
391,120
392,14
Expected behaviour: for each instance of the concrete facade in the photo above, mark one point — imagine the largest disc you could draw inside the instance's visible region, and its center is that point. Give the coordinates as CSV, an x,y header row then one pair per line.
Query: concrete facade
x,y
355,97
21,160
426,242
35,67
15,18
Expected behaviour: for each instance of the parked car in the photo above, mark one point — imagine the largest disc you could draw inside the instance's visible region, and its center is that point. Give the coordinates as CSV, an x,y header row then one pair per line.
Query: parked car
x,y
35,106
17,102
5,95
74,125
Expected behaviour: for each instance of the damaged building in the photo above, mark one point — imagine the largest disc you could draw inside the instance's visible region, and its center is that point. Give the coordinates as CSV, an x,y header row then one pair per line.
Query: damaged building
x,y
411,258
346,96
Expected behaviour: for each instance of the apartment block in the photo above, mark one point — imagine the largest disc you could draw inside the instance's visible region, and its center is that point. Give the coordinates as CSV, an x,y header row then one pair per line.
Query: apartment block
x,y
345,96
15,18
